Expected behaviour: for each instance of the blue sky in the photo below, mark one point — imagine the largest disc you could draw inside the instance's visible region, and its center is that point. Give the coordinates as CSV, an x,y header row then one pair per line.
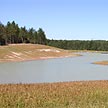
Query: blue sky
x,y
60,19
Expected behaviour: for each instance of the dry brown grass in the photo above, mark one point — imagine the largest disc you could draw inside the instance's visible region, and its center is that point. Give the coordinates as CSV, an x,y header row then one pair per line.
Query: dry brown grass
x,y
22,52
101,62
90,94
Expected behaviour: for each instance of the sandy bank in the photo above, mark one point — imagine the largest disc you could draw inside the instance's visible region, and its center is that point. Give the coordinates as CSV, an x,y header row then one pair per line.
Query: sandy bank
x,y
27,52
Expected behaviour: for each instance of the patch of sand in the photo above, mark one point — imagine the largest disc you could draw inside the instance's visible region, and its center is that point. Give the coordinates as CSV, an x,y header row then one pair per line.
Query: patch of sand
x,y
49,50
17,54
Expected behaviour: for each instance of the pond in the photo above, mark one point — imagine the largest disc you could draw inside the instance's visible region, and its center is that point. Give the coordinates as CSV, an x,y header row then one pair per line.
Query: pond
x,y
55,70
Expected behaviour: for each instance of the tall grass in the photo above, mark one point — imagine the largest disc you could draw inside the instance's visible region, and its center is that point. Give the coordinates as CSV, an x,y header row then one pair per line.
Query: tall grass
x,y
93,94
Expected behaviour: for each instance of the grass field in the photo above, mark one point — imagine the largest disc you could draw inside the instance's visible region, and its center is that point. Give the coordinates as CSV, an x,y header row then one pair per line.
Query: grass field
x,y
89,94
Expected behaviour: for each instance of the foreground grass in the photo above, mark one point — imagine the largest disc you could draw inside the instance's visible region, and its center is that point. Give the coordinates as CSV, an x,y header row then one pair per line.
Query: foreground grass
x,y
91,94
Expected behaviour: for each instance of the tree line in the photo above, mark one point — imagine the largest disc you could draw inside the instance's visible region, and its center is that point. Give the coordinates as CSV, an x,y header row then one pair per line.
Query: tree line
x,y
11,33
98,45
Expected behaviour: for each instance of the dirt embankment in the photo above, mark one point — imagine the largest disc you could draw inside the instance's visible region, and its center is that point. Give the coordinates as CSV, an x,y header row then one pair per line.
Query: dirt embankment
x,y
23,52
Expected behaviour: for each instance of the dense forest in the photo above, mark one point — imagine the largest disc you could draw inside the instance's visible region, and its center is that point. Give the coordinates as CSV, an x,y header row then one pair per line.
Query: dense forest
x,y
12,33
98,45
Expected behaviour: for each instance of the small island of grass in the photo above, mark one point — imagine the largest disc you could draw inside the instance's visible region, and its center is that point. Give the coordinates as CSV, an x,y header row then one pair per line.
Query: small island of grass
x,y
101,63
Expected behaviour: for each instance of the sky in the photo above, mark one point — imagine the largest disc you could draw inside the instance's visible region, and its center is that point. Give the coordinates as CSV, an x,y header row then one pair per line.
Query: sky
x,y
60,19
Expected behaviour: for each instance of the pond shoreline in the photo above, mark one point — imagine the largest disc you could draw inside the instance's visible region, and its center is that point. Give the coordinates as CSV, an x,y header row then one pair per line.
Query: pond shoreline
x,y
40,58
31,52
59,82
